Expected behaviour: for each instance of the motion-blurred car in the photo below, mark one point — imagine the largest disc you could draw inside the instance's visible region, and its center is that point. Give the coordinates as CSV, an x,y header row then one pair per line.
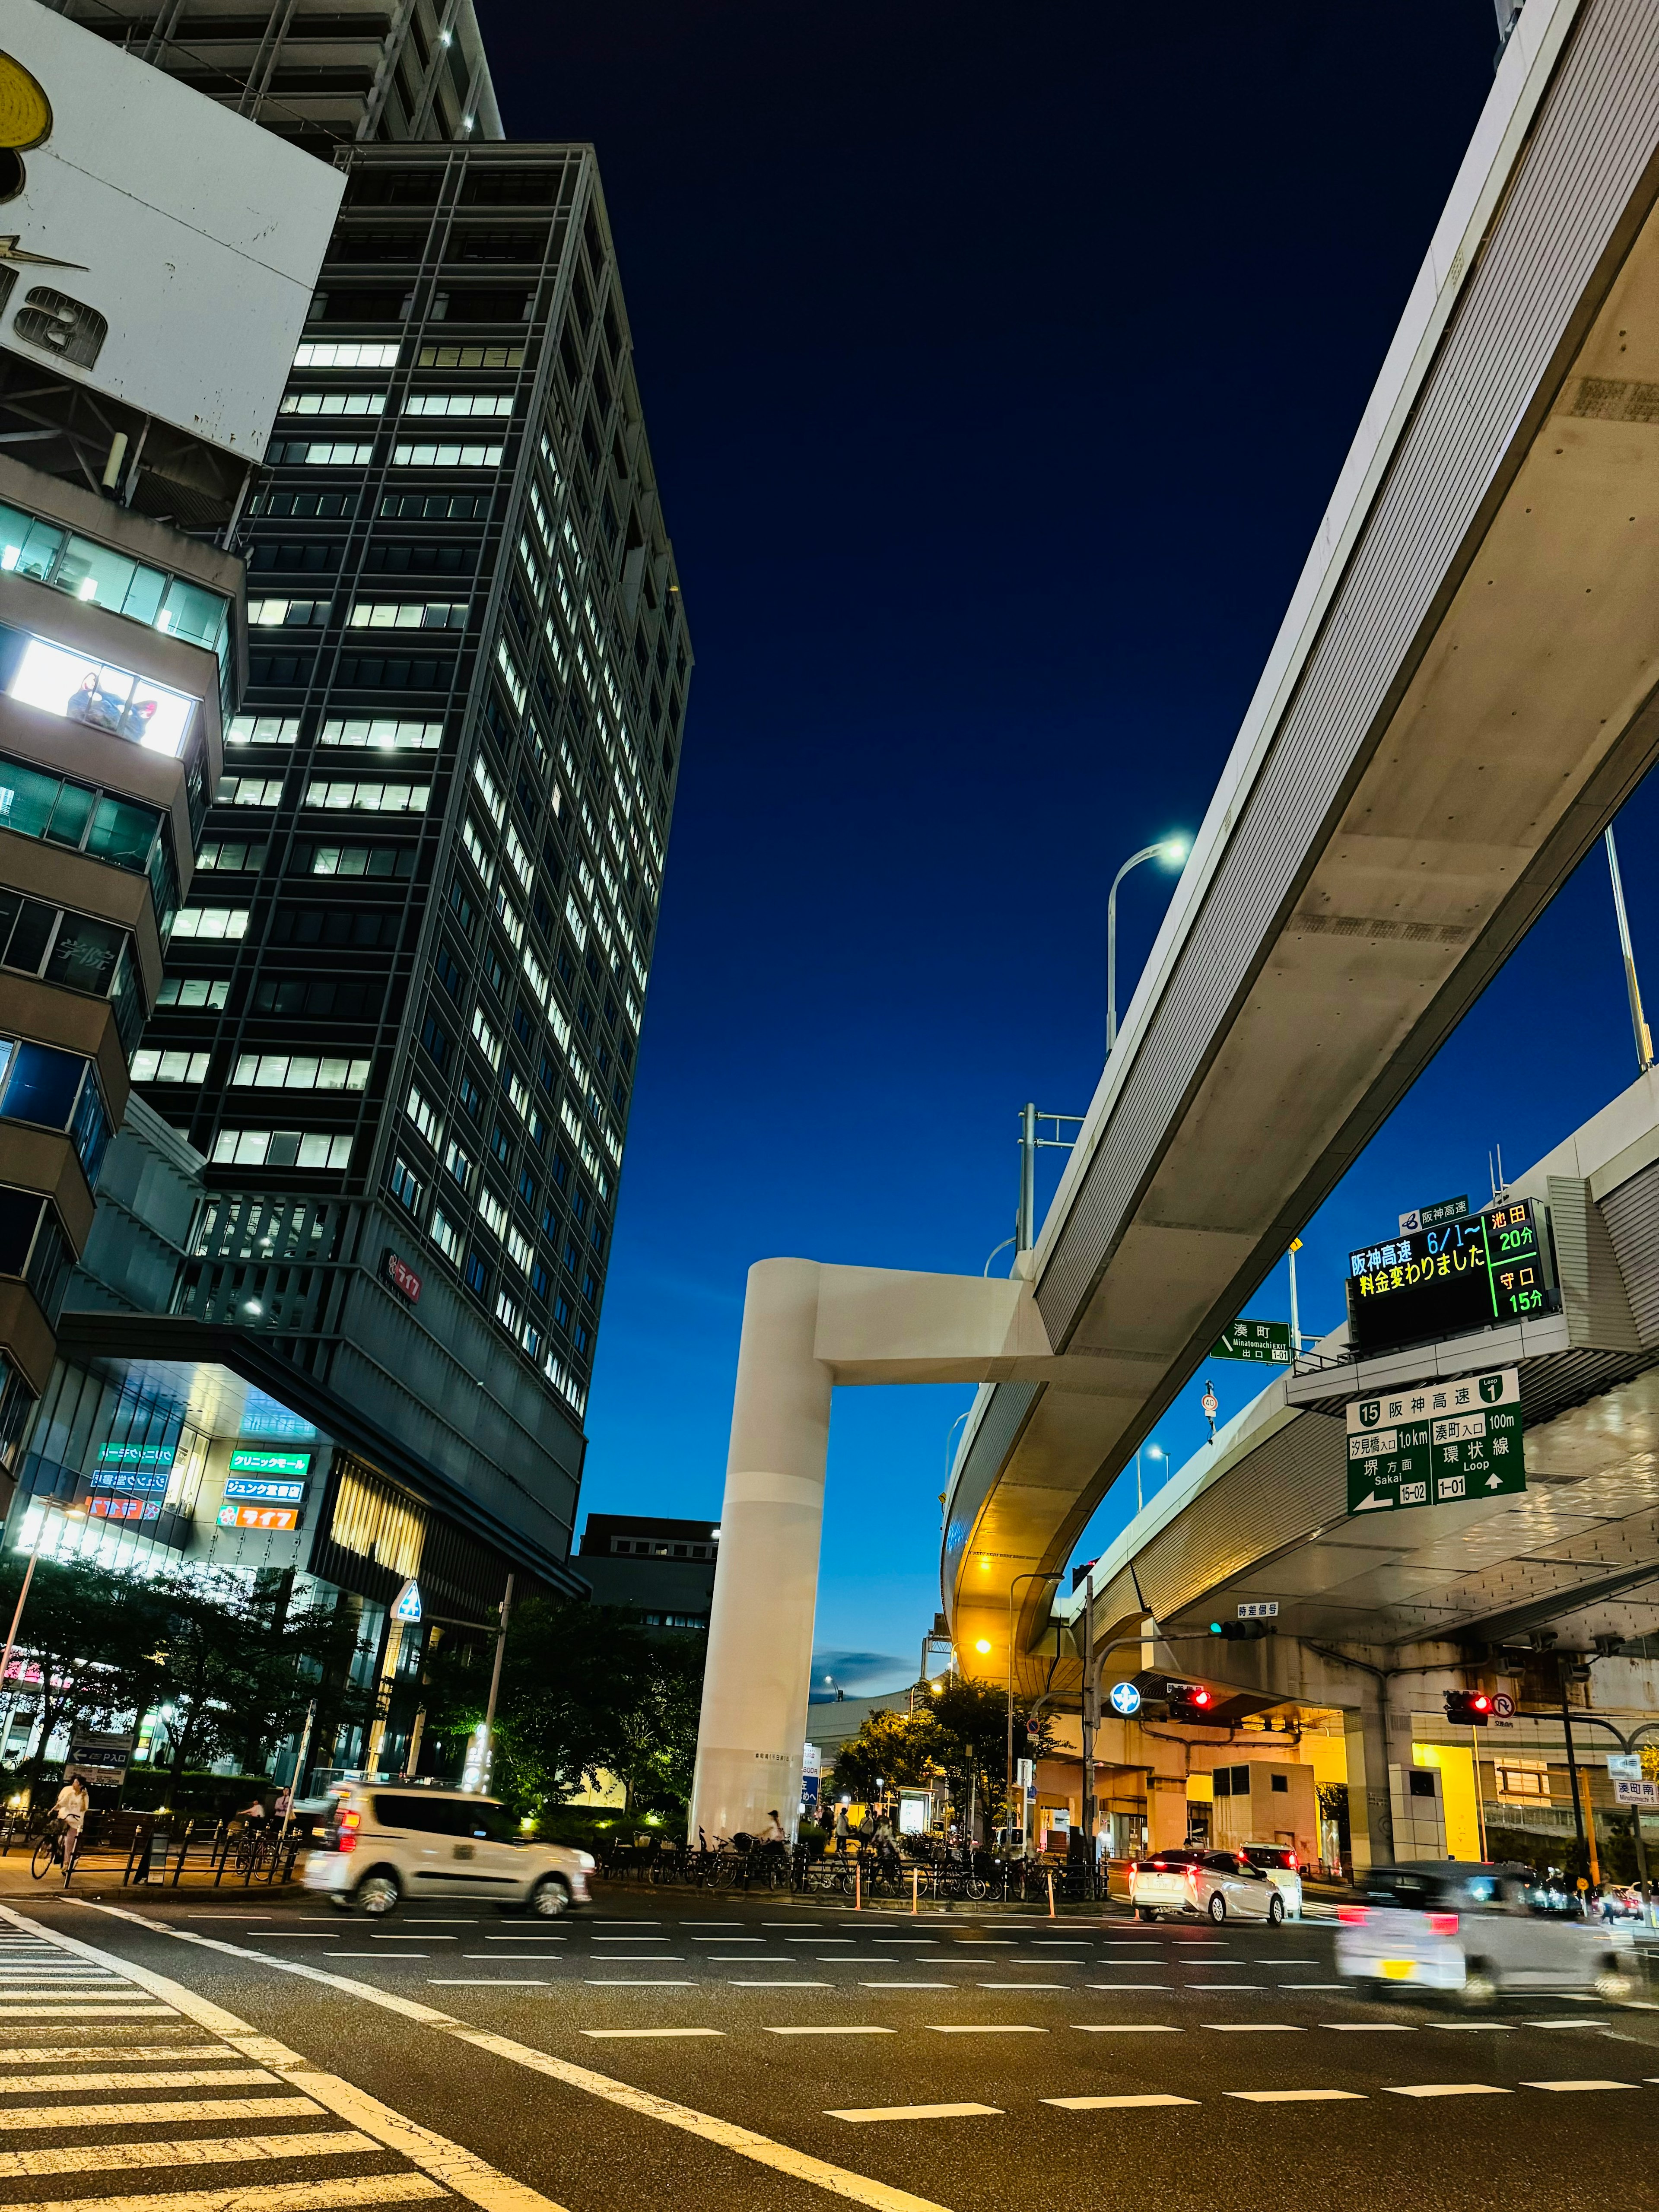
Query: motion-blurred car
x,y
1474,1932
1199,1884
383,1845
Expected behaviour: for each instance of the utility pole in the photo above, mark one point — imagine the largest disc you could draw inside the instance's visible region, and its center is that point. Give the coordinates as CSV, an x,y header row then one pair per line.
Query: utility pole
x,y
1090,1715
1644,1037
1026,1233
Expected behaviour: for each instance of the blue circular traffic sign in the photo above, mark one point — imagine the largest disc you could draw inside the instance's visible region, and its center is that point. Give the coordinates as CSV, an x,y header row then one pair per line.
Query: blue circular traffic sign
x,y
1125,1698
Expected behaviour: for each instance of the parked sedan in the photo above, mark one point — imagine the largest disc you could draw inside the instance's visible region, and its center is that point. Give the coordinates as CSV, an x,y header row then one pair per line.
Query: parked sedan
x,y
1476,1932
1198,1884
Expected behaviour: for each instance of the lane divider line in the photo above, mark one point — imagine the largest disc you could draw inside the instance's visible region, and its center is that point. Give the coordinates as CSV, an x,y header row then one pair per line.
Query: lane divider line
x,y
857,2188
432,2154
859,2113
1113,2104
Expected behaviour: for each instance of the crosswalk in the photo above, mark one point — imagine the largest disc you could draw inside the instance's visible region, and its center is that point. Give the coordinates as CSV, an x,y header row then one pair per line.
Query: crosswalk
x,y
100,2078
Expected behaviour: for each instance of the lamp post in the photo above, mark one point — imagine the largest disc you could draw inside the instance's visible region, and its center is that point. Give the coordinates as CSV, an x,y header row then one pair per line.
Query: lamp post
x,y
1038,1575
71,1513
1153,1451
1172,851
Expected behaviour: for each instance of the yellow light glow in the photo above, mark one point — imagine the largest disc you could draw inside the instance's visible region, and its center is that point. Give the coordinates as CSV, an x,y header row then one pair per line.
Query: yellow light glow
x,y
983,1645
984,1565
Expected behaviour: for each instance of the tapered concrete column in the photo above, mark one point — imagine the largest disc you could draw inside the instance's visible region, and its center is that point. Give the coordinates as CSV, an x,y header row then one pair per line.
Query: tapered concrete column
x,y
760,1625
1369,1734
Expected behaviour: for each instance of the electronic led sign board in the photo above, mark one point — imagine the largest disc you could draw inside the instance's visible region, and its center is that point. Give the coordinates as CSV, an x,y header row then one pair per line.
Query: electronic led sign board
x,y
1444,1281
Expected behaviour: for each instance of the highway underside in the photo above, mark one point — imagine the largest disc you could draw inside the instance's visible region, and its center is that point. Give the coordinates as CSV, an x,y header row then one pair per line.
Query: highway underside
x,y
672,2047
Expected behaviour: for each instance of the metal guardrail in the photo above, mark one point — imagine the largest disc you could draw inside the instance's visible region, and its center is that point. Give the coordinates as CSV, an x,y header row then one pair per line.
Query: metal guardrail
x,y
149,1851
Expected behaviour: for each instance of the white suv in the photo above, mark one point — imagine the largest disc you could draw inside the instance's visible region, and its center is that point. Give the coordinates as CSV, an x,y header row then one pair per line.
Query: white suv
x,y
383,1843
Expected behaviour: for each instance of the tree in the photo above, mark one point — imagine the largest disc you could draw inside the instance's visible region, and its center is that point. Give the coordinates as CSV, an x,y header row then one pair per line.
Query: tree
x,y
88,1634
239,1663
891,1750
960,1731
584,1691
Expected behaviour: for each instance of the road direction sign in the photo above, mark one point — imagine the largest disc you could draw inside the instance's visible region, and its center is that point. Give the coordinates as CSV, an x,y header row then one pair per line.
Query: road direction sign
x,y
1503,1706
1437,1443
1637,1793
1430,1217
1625,1766
1125,1698
1266,1342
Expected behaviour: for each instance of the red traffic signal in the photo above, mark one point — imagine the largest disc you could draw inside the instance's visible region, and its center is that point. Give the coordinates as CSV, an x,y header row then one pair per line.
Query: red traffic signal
x,y
1470,1708
1188,1701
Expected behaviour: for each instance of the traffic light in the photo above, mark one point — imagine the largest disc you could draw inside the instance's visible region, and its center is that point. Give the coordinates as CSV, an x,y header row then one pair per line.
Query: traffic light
x,y
1188,1701
1472,1708
1241,1632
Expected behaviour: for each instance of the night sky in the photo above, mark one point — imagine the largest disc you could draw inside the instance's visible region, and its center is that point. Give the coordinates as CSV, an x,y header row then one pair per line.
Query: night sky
x,y
998,365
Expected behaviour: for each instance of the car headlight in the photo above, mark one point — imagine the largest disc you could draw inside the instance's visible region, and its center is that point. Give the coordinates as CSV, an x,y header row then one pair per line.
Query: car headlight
x,y
585,1861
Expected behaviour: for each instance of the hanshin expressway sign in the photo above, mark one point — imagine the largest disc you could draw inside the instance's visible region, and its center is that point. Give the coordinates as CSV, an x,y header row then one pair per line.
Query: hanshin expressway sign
x,y
1437,1443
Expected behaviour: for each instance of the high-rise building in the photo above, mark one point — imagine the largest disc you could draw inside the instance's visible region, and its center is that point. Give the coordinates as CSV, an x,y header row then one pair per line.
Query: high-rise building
x,y
335,1320
324,75
123,643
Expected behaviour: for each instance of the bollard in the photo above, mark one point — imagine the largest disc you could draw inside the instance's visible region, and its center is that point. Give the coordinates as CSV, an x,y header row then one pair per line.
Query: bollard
x,y
915,1881
160,1840
183,1851
858,1885
1051,1893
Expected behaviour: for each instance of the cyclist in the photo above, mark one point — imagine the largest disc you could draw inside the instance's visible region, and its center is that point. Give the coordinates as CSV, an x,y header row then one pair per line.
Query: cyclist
x,y
70,1813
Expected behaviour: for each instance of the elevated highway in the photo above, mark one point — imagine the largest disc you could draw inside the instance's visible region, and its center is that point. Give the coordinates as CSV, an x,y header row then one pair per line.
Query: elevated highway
x,y
1461,695
1437,1591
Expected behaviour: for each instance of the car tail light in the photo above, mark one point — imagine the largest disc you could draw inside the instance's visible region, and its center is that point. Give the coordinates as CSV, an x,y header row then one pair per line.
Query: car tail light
x,y
347,1839
1158,1866
1191,1879
1443,1924
1295,1861
1355,1915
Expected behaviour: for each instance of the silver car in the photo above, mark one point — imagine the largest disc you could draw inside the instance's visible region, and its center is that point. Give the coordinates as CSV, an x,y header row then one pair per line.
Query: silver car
x,y
1476,1933
383,1843
1199,1884
1281,1867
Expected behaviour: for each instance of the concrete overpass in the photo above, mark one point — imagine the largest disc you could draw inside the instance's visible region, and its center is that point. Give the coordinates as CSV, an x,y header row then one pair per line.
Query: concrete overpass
x,y
1380,1612
1461,695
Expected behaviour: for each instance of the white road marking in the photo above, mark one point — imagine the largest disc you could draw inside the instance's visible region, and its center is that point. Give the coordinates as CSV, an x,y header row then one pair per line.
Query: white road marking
x,y
858,2114
83,2012
509,1958
160,2108
630,1984
1249,2027
40,2054
779,1985
350,2104
432,2154
985,2028
724,1939
209,2150
829,2031
279,2196
377,1954
1473,2027
902,1985
1446,2090
618,2034
487,1982
1580,2085
1023,1985
1313,1986
185,2077
868,1959
747,1958
1369,2027
1296,2096
1110,2027
1112,2104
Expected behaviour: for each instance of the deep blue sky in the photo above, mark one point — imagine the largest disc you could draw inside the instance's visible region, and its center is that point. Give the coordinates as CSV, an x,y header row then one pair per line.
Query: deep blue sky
x,y
997,364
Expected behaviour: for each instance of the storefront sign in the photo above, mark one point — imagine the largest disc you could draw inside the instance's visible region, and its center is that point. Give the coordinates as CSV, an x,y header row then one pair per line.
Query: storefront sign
x,y
271,1462
401,1276
257,1516
124,1508
267,1493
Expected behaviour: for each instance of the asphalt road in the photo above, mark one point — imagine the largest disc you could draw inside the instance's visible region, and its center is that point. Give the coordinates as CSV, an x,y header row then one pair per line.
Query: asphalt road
x,y
669,2047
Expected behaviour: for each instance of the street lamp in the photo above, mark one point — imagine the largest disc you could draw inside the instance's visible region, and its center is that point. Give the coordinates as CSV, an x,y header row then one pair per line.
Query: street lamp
x,y
1172,851
1153,1451
71,1513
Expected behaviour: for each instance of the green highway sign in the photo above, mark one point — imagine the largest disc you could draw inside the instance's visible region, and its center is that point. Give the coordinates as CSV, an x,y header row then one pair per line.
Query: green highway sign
x,y
1267,1342
1437,1443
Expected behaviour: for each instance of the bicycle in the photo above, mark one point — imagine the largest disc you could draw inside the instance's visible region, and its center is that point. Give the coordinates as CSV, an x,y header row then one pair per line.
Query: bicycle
x,y
50,1852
